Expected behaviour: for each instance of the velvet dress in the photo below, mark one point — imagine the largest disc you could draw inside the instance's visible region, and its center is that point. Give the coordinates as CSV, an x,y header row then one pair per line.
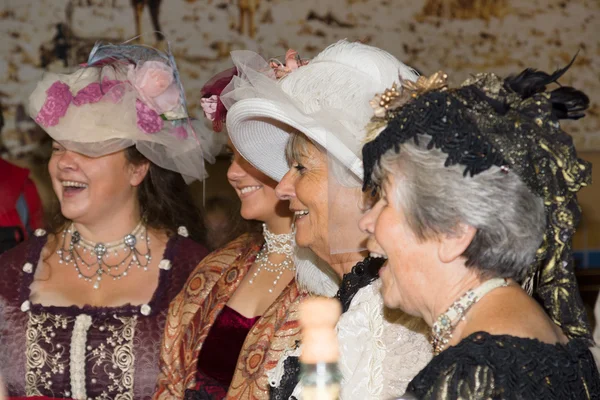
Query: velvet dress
x,y
196,361
84,352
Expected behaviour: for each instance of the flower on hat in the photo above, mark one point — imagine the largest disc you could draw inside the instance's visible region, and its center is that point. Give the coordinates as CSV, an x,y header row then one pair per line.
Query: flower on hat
x,y
55,107
292,63
211,103
147,119
95,91
209,106
156,85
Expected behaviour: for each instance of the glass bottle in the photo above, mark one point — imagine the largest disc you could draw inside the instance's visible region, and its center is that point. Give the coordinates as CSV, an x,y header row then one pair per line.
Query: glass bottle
x,y
320,376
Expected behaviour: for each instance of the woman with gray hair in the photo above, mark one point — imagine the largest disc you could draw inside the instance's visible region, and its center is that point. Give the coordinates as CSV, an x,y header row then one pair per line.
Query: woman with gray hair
x,y
319,113
477,194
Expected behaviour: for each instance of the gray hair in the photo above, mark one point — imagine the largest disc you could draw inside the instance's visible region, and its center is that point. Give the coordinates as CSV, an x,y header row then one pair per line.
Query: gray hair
x,y
508,217
297,148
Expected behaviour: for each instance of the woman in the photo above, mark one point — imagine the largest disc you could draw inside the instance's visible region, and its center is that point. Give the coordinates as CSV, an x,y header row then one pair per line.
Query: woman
x,y
477,195
324,106
84,306
238,311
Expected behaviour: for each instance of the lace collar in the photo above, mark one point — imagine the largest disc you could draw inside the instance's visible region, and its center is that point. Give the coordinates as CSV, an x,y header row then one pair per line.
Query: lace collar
x,y
362,274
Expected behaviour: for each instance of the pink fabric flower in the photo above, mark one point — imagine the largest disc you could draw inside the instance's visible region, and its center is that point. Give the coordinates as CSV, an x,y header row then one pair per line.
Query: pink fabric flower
x,y
292,60
209,105
156,85
94,92
147,119
292,63
179,132
169,100
115,90
56,104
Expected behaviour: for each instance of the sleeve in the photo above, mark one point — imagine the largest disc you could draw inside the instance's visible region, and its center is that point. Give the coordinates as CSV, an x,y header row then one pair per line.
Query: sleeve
x,y
407,351
379,353
455,381
361,348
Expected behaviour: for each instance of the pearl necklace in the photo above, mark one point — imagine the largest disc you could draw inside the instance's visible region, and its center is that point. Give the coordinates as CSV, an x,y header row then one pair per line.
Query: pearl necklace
x,y
94,271
441,331
275,244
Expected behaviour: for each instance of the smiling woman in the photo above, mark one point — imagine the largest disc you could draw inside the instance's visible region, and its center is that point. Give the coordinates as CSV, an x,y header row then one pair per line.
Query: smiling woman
x,y
477,211
319,113
230,322
85,304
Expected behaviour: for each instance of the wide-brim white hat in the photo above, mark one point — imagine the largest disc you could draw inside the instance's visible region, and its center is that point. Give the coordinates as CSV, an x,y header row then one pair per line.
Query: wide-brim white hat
x,y
326,100
260,130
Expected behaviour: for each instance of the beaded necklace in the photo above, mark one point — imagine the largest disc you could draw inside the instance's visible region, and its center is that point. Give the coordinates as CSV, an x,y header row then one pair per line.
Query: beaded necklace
x,y
441,331
96,270
275,244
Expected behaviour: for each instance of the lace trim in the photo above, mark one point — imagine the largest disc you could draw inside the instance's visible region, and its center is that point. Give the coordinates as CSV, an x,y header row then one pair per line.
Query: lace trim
x,y
362,274
370,359
43,363
118,357
77,366
274,375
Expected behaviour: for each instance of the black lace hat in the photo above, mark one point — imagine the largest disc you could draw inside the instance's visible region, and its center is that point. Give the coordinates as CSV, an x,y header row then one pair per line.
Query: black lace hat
x,y
511,123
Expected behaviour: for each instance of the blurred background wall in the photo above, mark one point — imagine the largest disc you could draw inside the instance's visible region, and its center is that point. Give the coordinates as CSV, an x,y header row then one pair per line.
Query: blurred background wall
x,y
458,36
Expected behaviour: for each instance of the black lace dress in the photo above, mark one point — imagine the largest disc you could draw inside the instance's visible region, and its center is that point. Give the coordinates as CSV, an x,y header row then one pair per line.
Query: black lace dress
x,y
484,366
362,274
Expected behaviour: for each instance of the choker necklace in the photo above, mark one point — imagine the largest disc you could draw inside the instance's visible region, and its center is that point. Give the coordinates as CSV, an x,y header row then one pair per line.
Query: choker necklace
x,y
94,271
441,331
275,244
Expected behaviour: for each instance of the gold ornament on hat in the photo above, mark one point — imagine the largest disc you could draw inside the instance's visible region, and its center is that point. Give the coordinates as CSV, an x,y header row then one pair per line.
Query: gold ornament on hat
x,y
437,81
395,97
381,102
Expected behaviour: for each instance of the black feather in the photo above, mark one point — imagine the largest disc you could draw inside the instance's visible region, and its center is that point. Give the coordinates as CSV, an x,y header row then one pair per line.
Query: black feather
x,y
531,81
569,103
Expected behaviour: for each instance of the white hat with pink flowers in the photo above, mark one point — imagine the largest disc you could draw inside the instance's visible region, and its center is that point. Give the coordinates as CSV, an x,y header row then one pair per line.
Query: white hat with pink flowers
x,y
125,95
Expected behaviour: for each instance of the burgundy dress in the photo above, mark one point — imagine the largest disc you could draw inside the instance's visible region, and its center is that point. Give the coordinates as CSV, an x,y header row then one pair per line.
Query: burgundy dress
x,y
219,355
84,352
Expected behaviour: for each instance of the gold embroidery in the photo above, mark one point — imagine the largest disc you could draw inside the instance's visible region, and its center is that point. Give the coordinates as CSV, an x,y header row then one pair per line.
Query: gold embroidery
x,y
111,354
117,358
46,361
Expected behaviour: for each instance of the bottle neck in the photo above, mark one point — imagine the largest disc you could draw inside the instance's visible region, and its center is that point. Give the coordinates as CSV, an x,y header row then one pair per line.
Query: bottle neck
x,y
320,373
320,381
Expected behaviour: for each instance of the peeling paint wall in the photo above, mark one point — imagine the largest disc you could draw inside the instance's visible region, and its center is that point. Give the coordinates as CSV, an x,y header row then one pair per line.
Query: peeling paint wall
x,y
458,36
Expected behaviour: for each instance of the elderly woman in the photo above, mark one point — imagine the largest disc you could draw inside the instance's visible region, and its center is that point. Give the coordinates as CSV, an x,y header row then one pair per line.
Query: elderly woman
x,y
84,305
477,194
324,106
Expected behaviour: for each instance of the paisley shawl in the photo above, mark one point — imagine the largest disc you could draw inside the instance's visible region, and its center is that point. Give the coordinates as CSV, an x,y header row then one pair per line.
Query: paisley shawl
x,y
194,310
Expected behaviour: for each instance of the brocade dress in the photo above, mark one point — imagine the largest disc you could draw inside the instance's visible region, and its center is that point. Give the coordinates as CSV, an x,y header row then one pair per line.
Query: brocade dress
x,y
485,366
84,352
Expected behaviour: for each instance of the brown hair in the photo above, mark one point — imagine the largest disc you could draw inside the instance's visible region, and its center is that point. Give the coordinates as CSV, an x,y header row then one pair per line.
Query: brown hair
x,y
236,225
164,199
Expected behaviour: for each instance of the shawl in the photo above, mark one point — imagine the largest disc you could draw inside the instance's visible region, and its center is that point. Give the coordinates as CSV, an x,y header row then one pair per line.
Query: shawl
x,y
194,310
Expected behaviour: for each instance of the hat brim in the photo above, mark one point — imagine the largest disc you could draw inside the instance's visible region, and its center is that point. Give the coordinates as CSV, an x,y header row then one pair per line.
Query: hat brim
x,y
260,128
